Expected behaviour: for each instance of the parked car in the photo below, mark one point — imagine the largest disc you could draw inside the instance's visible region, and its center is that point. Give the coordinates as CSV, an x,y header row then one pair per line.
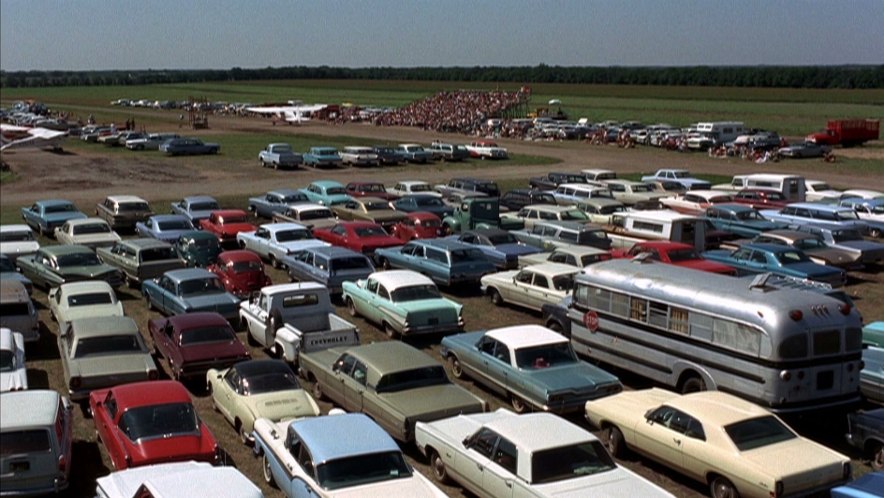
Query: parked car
x,y
499,246
360,236
864,486
870,211
310,215
848,239
197,248
865,432
577,256
188,146
13,372
17,311
387,155
812,245
518,198
695,202
570,194
151,142
740,219
447,262
196,207
873,334
359,156
36,427
226,224
164,227
424,203
530,287
478,212
75,300
399,385
140,259
89,232
553,179
370,189
805,213
122,212
177,480
253,389
631,193
777,259
674,253
145,423
46,215
466,185
326,192
411,187
735,447
195,342
486,149
681,176
17,240
185,291
871,377
403,303
448,152
817,190
373,209
280,155
759,198
52,266
322,157
547,212
601,210
275,241
8,271
802,150
241,272
102,351
414,153
549,235
417,225
275,201
329,265
306,455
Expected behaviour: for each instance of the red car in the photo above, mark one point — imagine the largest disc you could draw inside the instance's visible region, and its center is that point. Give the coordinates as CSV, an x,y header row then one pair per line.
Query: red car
x,y
760,198
241,272
674,253
370,189
418,225
195,342
144,423
359,236
226,223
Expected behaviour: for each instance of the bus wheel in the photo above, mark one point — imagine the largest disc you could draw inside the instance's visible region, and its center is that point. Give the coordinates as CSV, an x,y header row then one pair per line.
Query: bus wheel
x,y
693,384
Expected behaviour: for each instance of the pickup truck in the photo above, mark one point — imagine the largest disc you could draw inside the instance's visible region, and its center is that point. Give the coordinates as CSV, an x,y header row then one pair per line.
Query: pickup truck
x,y
278,156
552,180
846,132
323,157
414,153
448,152
478,212
289,319
681,176
276,201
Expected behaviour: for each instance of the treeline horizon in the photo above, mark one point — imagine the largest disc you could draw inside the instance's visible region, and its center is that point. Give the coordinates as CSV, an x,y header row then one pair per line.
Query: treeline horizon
x,y
820,77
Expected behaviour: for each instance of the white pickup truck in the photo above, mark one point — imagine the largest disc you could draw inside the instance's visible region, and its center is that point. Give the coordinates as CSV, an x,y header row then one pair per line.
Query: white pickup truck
x,y
292,318
280,155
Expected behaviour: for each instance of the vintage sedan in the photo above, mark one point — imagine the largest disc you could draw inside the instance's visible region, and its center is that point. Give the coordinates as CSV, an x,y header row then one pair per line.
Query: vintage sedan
x,y
9,272
17,240
761,198
100,352
373,209
865,432
812,245
740,219
241,272
144,423
196,342
370,189
403,302
448,262
579,256
75,300
330,266
196,207
426,203
850,240
532,455
255,389
601,210
777,259
275,201
226,224
306,458
499,246
871,377
164,227
532,286
735,447
177,480
361,236
532,366
873,334
89,232
412,187
695,202
123,211
140,259
52,266
803,150
395,384
674,253
188,146
274,241
197,248
486,149
192,289
46,215
326,192
310,215
417,225
13,373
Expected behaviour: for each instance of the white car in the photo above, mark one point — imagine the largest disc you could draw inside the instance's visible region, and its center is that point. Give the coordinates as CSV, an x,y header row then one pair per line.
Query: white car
x,y
13,374
89,232
91,298
817,190
486,149
17,240
273,241
177,480
532,286
411,187
531,455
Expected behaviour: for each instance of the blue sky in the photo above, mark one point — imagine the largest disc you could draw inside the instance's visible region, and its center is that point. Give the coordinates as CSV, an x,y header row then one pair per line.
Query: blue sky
x,y
220,34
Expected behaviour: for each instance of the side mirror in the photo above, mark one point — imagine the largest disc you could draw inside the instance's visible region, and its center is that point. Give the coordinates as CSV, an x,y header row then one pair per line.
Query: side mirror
x,y
468,441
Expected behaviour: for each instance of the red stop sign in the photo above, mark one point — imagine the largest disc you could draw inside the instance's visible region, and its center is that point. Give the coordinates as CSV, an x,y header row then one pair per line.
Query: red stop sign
x,y
591,320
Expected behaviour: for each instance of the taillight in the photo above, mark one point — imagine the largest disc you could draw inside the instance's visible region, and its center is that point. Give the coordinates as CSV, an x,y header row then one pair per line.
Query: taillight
x,y
844,309
62,463
786,375
75,382
796,315
153,375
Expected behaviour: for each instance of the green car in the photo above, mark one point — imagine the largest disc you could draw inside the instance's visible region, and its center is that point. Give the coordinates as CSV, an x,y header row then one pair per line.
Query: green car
x,y
198,248
52,266
141,259
403,302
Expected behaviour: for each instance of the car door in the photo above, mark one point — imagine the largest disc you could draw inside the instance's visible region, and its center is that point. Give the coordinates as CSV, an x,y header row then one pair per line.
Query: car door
x,y
486,362
105,426
155,295
354,389
334,387
517,290
472,462
256,316
499,474
364,301
228,389
302,268
538,292
660,434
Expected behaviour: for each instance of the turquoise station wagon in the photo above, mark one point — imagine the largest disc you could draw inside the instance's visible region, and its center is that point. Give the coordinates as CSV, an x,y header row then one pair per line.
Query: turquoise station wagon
x,y
446,261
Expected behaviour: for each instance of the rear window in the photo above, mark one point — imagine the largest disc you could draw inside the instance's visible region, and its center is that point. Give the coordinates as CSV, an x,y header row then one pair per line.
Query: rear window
x,y
758,432
14,309
352,263
90,299
22,442
108,345
157,254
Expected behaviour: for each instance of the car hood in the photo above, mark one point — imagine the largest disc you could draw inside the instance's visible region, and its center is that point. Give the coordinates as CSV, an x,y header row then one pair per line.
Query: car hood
x,y
17,379
614,483
282,405
213,351
516,249
579,376
433,402
87,272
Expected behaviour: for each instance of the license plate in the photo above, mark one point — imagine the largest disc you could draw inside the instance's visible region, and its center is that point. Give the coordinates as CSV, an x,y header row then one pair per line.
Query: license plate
x,y
19,466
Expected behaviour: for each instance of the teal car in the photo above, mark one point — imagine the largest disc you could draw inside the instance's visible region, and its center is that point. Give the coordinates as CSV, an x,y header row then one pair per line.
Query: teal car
x,y
448,262
198,248
873,334
52,266
326,192
403,302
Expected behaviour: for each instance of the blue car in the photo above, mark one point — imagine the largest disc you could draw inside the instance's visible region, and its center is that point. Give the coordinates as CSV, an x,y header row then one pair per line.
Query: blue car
x,y
47,215
429,203
777,259
740,219
330,266
326,192
805,213
165,227
193,289
196,207
321,157
500,246
870,485
447,262
188,146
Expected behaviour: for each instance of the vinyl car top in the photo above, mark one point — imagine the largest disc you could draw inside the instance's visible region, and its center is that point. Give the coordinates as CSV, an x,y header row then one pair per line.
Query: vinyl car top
x,y
190,201
272,290
273,228
101,326
149,393
86,287
394,279
185,274
535,432
127,199
390,356
715,407
13,291
31,408
178,479
341,436
526,336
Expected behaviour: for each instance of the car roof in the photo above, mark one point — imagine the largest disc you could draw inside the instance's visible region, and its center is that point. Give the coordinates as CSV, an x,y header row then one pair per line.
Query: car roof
x,y
125,198
86,221
526,336
102,326
199,198
534,432
31,408
85,286
550,208
197,234
53,202
229,212
773,248
552,269
394,279
569,225
13,290
392,356
716,407
340,436
327,183
236,256
62,249
169,217
732,206
278,227
15,228
306,206
285,192
819,207
188,273
271,290
148,393
445,244
196,319
257,367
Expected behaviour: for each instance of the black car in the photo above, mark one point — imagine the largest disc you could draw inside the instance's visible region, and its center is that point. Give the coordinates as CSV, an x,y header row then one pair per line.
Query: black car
x,y
518,198
387,155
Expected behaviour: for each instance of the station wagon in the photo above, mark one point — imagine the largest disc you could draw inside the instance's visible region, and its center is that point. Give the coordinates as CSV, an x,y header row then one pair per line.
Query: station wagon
x,y
447,262
141,259
551,234
329,265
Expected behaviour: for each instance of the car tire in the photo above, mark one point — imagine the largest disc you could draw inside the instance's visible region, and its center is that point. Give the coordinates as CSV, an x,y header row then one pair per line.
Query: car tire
x,y
390,331
265,470
273,261
456,367
721,487
351,308
877,460
693,384
437,466
613,441
496,298
519,405
385,264
150,306
243,437
316,390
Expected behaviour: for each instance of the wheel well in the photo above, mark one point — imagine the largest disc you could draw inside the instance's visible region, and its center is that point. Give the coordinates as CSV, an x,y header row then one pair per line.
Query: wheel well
x,y
870,445
237,423
687,374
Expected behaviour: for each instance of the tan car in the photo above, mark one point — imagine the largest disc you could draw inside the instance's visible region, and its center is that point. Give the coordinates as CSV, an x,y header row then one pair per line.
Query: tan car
x,y
736,447
373,209
89,232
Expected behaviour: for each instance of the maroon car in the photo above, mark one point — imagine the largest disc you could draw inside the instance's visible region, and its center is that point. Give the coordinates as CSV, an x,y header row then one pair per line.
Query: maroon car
x,y
760,198
195,342
226,223
359,236
418,225
370,189
241,272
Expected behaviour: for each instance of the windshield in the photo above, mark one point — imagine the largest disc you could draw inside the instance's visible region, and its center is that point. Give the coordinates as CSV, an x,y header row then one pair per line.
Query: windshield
x,y
370,231
61,208
90,299
316,214
290,235
545,356
206,334
292,198
466,255
502,238
232,218
787,257
157,254
415,293
7,360
350,263
421,188
429,201
78,259
362,469
91,228
133,206
175,225
108,345
574,215
679,255
642,188
269,383
758,432
569,462
200,286
204,206
147,422
247,266
412,379
16,236
205,243
335,191
563,282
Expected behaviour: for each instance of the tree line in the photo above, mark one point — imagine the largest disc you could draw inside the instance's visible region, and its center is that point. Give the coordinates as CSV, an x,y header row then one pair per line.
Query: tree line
x,y
844,77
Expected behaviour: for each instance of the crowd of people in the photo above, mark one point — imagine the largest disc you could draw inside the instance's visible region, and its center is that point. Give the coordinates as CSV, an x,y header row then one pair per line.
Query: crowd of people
x,y
460,111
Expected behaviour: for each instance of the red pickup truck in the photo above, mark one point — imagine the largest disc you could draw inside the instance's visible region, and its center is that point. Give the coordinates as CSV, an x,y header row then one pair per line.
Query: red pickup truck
x,y
846,132
674,253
